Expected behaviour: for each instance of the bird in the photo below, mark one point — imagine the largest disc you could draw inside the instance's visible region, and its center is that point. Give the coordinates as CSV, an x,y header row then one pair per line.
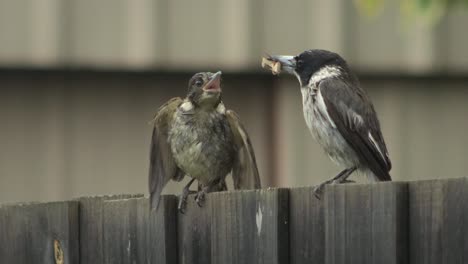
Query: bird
x,y
198,137
338,113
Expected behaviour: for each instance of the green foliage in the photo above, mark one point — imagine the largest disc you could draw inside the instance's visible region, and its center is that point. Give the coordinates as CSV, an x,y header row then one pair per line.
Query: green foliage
x,y
370,8
429,10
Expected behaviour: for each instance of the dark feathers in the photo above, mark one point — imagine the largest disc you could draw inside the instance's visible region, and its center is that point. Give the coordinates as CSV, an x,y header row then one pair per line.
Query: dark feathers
x,y
244,171
357,122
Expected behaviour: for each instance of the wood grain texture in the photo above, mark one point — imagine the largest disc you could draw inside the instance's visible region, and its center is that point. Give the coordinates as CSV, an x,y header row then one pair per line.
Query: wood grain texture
x,y
393,222
366,223
438,221
194,232
134,234
91,226
39,233
120,232
250,227
306,227
162,231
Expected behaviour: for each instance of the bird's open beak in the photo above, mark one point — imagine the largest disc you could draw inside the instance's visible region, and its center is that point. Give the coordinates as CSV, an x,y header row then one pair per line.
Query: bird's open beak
x,y
288,63
214,85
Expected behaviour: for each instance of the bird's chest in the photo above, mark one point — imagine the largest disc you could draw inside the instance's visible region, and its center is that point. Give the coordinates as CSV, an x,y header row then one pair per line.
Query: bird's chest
x,y
322,127
315,113
202,144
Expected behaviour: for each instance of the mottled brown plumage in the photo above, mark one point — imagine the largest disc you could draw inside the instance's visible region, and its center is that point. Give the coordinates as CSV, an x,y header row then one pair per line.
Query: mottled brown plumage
x,y
199,138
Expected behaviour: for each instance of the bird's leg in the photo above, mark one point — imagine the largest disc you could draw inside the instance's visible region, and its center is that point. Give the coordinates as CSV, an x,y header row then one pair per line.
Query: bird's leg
x,y
200,197
183,197
222,186
340,178
219,186
344,177
216,186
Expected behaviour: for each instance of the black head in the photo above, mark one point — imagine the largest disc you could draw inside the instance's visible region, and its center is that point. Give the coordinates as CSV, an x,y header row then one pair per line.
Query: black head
x,y
308,62
204,88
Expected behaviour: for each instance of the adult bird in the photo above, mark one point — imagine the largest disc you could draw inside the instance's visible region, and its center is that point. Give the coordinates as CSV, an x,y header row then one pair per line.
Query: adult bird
x,y
199,138
338,113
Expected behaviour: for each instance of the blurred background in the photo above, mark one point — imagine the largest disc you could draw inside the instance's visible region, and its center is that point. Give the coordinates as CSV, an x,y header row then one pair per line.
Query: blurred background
x,y
80,79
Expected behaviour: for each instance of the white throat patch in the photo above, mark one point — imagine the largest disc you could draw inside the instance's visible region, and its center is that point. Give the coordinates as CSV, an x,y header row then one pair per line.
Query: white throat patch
x,y
221,108
186,106
324,73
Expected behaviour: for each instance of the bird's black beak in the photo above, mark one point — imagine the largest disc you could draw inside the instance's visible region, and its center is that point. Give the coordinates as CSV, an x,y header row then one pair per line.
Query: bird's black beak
x,y
214,84
288,63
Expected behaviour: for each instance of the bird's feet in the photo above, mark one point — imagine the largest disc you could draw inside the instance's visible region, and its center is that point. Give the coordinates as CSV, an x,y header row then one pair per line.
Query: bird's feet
x,y
200,197
342,177
182,206
183,197
318,190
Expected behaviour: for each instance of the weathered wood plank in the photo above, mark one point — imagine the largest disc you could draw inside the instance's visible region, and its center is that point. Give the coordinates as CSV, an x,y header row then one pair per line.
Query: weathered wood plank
x,y
194,233
250,227
162,231
91,226
120,239
39,233
439,221
366,223
134,234
306,227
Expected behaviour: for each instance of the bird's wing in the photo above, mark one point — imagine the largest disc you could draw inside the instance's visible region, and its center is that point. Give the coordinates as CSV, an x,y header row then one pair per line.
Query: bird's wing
x,y
244,172
355,118
162,165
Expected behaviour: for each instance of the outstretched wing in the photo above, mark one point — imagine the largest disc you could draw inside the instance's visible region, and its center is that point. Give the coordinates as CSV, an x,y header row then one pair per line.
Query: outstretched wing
x,y
162,165
244,172
357,122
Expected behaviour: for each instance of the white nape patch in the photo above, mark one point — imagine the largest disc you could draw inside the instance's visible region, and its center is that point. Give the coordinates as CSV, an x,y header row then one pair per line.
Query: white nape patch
x,y
323,108
375,145
186,106
324,73
258,220
221,108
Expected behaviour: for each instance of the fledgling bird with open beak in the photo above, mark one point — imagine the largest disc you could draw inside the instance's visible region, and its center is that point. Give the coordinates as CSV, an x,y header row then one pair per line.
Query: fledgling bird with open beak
x,y
338,112
199,138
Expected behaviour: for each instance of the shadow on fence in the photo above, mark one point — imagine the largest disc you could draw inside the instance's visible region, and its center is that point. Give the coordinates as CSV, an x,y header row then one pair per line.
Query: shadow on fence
x,y
397,222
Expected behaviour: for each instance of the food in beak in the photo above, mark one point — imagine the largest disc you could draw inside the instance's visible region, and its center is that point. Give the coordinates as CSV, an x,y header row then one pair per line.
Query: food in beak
x,y
275,66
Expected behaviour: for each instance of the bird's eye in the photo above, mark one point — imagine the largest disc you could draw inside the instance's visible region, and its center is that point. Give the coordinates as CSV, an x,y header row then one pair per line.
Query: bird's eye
x,y
199,83
299,64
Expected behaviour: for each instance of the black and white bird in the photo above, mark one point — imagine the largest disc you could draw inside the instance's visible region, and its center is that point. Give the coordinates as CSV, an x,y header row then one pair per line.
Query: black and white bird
x,y
338,113
199,138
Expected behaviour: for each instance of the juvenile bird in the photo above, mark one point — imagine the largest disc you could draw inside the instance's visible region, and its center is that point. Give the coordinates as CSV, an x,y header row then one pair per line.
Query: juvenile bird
x,y
199,138
338,112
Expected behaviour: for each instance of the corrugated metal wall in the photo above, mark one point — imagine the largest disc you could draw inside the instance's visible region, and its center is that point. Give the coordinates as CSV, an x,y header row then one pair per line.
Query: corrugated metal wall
x,y
65,134
224,33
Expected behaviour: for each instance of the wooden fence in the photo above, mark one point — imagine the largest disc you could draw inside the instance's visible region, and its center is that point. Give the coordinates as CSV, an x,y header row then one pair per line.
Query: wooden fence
x,y
399,222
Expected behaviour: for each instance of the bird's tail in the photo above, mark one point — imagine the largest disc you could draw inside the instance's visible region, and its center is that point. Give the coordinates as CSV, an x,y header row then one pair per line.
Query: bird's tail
x,y
383,176
155,198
